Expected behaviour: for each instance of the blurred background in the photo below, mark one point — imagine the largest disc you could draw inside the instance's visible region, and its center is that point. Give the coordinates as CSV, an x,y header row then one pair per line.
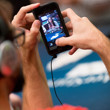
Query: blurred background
x,y
80,79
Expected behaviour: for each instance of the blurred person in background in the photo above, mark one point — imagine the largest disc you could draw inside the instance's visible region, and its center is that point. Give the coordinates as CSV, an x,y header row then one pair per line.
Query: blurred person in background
x,y
9,65
36,93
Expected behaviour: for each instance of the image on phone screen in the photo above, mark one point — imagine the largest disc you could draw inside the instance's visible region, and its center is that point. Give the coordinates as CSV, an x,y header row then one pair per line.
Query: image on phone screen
x,y
51,27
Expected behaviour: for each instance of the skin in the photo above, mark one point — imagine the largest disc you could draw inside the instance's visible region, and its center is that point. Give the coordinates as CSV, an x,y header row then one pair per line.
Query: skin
x,y
7,83
4,92
87,36
6,87
36,93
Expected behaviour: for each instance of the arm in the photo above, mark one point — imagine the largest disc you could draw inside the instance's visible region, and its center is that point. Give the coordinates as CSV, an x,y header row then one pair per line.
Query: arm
x,y
36,93
87,36
104,51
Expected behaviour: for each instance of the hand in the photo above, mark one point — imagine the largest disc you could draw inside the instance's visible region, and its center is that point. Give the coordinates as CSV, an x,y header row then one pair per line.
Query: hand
x,y
83,34
31,26
23,18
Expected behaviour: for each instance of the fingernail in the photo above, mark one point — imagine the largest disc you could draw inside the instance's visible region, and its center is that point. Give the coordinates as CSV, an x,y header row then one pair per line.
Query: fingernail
x,y
37,22
36,3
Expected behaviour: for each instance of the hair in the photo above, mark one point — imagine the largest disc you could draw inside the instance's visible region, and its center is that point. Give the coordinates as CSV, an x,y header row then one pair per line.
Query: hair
x,y
6,9
5,16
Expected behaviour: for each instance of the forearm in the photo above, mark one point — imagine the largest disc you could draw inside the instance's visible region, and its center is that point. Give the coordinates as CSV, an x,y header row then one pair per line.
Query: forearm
x,y
104,51
36,93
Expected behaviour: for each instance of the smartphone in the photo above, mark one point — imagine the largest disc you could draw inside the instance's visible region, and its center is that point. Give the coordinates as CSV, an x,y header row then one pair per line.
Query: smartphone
x,y
52,27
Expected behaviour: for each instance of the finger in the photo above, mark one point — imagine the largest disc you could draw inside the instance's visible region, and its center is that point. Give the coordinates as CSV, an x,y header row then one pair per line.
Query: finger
x,y
70,14
34,31
64,41
21,14
30,18
73,50
69,25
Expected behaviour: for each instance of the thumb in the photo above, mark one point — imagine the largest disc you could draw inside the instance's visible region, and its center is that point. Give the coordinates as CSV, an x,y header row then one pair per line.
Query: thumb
x,y
34,31
63,41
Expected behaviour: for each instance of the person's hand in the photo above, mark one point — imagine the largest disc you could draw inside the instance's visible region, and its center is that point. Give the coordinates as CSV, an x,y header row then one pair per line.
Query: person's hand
x,y
83,34
24,18
27,21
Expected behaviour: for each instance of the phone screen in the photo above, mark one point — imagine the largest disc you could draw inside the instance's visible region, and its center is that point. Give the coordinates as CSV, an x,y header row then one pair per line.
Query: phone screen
x,y
52,27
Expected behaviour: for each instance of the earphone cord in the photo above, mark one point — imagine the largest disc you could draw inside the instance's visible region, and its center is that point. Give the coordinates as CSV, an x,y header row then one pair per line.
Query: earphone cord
x,y
53,81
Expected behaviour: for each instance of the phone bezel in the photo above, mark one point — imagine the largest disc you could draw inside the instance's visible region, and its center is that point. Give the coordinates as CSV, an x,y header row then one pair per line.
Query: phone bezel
x,y
47,8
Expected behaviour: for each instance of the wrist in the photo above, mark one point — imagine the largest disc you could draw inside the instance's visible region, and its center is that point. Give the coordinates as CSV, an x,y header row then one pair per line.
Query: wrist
x,y
103,46
28,56
32,64
99,43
